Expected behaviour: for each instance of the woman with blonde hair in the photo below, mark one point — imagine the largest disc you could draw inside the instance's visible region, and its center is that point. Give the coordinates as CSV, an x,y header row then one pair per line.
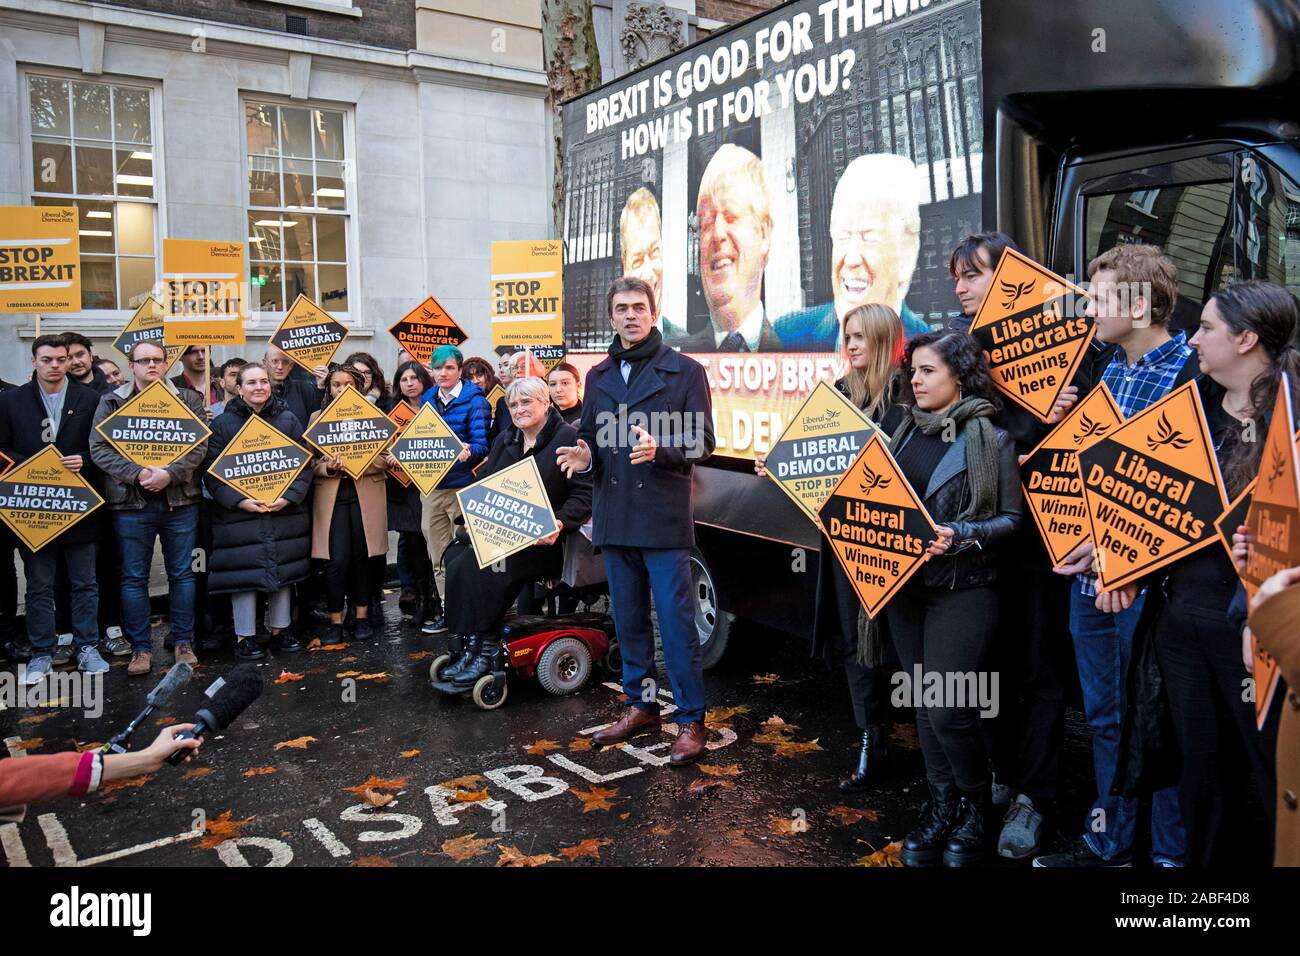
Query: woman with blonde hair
x,y
872,351
874,342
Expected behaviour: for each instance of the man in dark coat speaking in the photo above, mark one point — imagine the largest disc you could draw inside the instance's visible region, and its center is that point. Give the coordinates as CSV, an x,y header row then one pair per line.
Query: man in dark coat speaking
x,y
646,419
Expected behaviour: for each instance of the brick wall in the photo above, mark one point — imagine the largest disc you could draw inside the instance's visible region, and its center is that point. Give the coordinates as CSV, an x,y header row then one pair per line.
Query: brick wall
x,y
383,23
732,11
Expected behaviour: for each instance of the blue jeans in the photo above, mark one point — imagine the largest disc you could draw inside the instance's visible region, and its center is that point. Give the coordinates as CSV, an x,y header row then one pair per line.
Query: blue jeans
x,y
39,568
136,533
1103,644
634,574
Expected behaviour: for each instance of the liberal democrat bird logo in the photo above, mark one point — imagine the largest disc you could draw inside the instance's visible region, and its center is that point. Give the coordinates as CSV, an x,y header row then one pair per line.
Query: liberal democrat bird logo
x,y
1014,290
873,481
1166,436
1088,428
1278,465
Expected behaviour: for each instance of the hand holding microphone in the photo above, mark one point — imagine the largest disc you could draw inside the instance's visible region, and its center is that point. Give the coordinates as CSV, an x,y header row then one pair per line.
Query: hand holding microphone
x,y
231,697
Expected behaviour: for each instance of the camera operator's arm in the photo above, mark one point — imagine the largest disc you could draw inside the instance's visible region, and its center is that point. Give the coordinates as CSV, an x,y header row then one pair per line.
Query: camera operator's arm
x,y
34,778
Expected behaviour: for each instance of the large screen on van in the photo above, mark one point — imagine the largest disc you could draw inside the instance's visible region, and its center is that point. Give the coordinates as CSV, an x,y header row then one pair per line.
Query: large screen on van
x,y
767,181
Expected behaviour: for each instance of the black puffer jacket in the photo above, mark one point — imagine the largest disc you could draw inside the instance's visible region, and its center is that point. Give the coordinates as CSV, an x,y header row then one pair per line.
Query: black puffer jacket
x,y
971,562
256,552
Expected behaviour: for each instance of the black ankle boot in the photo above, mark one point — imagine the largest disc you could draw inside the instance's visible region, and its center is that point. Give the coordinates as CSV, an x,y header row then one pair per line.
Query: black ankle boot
x,y
968,843
872,758
467,654
924,846
480,664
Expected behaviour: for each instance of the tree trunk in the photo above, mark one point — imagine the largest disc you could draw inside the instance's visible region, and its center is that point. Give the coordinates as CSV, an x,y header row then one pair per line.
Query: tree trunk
x,y
572,67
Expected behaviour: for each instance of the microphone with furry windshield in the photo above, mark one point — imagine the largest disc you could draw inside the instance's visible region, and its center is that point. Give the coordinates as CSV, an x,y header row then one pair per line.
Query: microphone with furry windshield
x,y
232,696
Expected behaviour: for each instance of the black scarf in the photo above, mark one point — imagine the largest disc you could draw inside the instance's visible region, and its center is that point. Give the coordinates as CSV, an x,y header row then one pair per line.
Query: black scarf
x,y
639,355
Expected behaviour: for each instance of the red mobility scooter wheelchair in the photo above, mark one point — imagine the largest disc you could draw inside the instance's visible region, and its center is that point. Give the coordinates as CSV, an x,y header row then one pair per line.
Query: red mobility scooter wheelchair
x,y
558,649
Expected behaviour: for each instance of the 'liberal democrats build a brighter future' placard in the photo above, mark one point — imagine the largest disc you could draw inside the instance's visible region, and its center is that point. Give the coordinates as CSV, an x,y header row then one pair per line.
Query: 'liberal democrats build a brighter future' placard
x,y
506,512
260,462
40,498
154,428
817,447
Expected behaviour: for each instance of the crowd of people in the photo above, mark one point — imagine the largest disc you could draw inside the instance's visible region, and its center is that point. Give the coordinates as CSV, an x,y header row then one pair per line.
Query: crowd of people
x,y
1182,775
313,560
1168,655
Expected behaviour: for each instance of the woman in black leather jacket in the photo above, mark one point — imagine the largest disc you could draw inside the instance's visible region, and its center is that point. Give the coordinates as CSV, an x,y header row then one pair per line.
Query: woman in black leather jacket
x,y
943,620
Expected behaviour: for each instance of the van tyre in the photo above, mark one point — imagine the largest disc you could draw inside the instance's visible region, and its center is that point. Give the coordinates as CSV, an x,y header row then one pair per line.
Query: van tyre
x,y
564,666
711,621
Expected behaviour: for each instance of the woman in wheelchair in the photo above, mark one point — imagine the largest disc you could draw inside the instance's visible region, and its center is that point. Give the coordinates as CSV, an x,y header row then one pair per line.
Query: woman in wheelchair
x,y
477,600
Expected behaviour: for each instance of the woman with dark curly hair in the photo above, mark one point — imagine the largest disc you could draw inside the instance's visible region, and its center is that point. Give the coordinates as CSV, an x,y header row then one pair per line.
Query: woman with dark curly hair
x,y
943,620
372,376
479,371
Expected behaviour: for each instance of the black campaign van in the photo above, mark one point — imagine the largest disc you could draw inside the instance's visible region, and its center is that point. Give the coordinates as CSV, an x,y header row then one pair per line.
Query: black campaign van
x,y
1072,126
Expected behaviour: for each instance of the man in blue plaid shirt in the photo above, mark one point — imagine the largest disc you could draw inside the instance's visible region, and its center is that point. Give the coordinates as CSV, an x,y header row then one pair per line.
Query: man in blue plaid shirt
x,y
1133,292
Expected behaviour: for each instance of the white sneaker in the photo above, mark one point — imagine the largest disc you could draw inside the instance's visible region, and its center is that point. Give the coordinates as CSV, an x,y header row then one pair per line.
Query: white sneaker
x,y
90,661
37,669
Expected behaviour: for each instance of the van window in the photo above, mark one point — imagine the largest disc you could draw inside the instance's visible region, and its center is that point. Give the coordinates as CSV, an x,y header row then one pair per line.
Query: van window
x,y
1189,221
1268,206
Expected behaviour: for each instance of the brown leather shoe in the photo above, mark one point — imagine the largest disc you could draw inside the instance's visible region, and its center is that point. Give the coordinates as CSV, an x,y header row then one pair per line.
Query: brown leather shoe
x,y
141,663
689,744
635,721
185,654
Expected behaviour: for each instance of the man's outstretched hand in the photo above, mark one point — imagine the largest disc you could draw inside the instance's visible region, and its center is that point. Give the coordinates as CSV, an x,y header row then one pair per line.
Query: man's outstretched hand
x,y
573,459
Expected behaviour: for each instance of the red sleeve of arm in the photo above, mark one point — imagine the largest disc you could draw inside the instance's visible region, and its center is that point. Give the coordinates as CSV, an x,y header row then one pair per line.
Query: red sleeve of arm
x,y
32,779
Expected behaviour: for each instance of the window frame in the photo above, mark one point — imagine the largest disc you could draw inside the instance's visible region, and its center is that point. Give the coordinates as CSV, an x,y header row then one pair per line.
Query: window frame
x,y
96,323
261,320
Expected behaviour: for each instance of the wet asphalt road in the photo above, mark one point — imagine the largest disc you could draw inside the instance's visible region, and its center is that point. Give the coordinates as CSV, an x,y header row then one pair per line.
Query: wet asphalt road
x,y
405,776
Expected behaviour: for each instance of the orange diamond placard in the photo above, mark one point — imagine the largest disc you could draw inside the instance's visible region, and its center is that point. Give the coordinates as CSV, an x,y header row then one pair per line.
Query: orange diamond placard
x,y
1274,522
401,415
1050,475
877,525
1032,325
426,328
1152,489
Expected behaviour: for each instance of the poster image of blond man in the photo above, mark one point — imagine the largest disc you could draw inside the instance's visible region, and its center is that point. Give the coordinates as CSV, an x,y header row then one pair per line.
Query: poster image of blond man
x,y
735,214
875,230
640,233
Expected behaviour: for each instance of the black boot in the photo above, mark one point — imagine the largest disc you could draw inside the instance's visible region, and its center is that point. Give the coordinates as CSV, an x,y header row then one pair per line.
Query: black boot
x,y
872,758
481,663
467,654
925,844
431,616
969,841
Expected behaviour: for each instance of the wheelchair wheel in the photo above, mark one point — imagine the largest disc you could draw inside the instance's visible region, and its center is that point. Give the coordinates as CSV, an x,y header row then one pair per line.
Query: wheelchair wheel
x,y
490,692
564,666
439,662
613,660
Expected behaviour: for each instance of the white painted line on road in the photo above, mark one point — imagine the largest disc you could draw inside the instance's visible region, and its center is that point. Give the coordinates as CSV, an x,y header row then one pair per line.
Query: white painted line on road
x,y
562,761
140,848
12,843
57,839
327,838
